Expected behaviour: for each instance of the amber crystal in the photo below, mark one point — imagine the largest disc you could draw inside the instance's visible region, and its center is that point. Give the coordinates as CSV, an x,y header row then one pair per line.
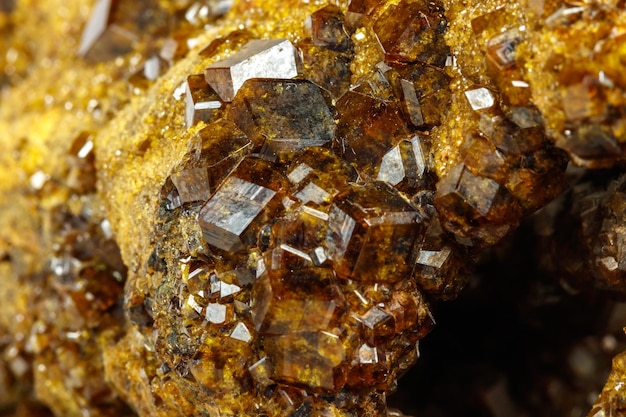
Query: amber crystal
x,y
327,68
475,207
285,115
423,92
285,301
233,215
201,102
327,29
314,360
360,219
218,148
412,31
366,144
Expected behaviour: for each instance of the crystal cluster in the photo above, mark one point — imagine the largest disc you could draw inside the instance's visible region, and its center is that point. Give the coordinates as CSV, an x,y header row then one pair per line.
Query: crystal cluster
x,y
328,175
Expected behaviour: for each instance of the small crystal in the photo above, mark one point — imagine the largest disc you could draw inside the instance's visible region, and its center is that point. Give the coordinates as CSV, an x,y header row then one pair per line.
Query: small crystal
x,y
326,27
215,313
230,211
404,165
501,48
201,102
102,38
480,98
241,332
378,324
260,58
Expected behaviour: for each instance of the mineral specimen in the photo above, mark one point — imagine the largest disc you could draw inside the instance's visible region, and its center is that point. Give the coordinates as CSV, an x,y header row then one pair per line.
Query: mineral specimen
x,y
267,221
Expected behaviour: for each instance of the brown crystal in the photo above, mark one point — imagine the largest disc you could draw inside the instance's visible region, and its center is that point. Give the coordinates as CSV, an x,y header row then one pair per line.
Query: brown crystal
x,y
413,31
363,217
233,215
201,102
285,115
475,207
305,300
314,360
366,144
259,58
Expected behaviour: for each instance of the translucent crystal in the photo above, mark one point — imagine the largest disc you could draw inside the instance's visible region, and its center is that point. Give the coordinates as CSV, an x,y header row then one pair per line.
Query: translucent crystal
x,y
327,68
315,360
233,215
377,324
480,98
241,332
201,102
362,219
413,31
475,207
295,239
291,301
260,58
326,28
285,115
404,166
423,92
365,144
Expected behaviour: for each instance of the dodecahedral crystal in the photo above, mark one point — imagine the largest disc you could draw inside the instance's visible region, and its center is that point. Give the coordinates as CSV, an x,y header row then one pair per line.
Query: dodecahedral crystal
x,y
260,58
201,102
218,148
286,301
285,115
475,207
297,240
423,91
405,165
365,144
360,219
234,214
412,31
327,68
326,27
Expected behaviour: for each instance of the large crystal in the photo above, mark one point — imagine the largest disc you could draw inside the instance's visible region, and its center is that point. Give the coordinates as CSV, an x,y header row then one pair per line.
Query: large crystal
x,y
315,360
413,30
365,144
361,219
232,217
285,115
286,301
260,58
217,149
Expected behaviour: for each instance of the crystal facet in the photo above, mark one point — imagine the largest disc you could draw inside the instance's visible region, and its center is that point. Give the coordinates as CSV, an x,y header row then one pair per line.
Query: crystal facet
x,y
260,58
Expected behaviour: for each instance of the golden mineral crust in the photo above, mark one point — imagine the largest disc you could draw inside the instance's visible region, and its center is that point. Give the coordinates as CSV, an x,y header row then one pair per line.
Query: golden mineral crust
x,y
255,207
